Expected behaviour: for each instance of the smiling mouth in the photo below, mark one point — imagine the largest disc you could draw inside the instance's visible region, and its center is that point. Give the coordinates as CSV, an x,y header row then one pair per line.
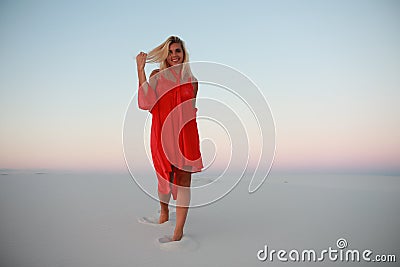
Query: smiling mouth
x,y
175,59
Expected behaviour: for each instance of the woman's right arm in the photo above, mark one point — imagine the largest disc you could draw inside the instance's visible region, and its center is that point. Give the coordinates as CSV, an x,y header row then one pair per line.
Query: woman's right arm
x,y
141,62
146,95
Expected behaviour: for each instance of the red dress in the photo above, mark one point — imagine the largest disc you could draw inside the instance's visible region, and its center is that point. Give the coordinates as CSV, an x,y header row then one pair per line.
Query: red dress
x,y
174,136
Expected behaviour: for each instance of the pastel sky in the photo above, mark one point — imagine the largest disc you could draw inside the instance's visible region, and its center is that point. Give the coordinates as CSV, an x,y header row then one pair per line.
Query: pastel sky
x,y
329,70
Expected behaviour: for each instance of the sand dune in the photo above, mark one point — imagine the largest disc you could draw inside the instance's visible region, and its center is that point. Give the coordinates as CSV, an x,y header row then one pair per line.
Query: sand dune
x,y
91,220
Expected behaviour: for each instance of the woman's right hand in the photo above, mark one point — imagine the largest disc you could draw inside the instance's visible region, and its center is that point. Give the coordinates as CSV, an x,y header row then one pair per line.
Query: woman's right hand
x,y
141,60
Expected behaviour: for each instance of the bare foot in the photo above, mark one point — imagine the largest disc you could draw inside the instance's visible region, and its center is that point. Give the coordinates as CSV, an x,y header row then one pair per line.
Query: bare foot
x,y
164,216
178,233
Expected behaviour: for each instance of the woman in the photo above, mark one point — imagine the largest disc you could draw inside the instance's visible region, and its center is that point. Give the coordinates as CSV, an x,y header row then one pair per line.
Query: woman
x,y
170,97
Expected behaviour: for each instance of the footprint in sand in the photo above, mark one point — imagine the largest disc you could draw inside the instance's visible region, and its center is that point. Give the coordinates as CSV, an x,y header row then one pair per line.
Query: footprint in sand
x,y
187,243
153,220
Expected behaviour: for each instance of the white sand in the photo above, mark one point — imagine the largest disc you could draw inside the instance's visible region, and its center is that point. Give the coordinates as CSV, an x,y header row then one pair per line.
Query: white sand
x,y
91,220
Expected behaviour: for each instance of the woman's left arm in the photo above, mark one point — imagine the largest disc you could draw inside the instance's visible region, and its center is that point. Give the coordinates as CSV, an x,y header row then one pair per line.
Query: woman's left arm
x,y
195,88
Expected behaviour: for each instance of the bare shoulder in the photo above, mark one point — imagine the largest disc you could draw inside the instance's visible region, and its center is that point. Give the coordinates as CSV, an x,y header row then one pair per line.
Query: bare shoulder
x,y
154,72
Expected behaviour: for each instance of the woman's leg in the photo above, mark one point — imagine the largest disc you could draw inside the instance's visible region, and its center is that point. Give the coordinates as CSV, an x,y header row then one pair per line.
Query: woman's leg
x,y
164,211
164,202
182,203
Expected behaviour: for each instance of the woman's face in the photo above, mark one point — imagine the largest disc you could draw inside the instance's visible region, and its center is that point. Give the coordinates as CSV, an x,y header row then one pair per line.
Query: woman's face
x,y
175,54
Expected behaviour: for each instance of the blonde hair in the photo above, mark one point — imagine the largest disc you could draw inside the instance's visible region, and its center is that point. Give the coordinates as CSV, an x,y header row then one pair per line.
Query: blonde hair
x,y
160,53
